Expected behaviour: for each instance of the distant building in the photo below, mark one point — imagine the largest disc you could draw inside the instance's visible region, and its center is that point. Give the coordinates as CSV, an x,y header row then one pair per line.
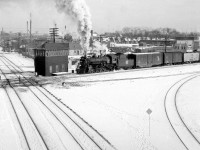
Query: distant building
x,y
156,42
51,58
75,49
133,45
122,48
27,49
187,44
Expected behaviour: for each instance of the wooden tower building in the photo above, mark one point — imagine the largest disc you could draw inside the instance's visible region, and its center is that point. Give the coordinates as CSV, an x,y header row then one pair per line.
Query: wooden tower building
x,y
51,58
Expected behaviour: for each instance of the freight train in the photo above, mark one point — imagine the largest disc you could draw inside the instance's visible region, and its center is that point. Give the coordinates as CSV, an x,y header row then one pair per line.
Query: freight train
x,y
112,62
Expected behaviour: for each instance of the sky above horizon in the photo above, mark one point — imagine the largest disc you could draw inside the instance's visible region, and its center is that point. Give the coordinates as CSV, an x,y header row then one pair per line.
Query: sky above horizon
x,y
107,15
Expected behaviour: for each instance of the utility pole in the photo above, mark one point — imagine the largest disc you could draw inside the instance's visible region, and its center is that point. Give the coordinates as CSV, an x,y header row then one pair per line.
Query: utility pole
x,y
53,32
30,28
165,43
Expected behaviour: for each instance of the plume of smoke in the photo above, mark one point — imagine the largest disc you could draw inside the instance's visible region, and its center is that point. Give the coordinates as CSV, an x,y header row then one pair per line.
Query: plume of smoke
x,y
79,12
99,48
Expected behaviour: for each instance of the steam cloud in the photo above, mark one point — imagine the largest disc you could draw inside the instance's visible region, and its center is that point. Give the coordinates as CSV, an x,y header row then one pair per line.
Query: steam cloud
x,y
78,11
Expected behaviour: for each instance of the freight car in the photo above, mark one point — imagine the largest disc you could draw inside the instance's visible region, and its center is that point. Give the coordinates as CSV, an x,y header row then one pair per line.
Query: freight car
x,y
172,58
148,59
134,60
125,61
190,57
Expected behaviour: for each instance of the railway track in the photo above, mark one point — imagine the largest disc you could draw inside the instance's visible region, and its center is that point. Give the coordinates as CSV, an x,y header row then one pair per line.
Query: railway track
x,y
62,113
180,128
28,131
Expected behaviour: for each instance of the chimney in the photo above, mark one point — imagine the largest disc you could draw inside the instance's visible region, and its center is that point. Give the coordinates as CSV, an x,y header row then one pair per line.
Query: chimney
x,y
92,34
91,40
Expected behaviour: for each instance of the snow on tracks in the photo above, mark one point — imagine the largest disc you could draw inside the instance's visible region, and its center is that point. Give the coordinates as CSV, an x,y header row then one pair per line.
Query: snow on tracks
x,y
46,106
184,134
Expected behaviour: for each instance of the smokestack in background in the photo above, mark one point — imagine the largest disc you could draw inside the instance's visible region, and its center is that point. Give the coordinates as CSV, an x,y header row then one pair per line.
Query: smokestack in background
x,y
91,33
27,28
91,40
30,27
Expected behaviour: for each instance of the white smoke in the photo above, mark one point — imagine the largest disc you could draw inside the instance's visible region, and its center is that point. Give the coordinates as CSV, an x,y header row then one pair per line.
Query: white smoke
x,y
78,11
99,48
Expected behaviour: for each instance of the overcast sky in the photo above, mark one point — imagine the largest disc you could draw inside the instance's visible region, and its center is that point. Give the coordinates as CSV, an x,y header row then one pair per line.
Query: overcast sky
x,y
107,15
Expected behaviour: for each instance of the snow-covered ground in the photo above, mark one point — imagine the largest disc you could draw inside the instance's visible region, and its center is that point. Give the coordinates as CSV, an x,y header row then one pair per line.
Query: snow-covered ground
x,y
188,102
116,103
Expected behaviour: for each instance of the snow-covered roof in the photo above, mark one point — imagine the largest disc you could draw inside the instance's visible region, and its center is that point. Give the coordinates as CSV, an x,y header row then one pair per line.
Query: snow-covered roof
x,y
146,53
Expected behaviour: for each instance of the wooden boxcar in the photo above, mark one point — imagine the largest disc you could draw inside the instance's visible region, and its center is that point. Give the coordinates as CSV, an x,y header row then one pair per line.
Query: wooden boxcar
x,y
173,58
141,60
157,59
125,61
148,59
168,60
177,57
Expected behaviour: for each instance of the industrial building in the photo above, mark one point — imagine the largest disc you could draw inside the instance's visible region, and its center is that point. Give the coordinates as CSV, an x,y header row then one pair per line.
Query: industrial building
x,y
188,43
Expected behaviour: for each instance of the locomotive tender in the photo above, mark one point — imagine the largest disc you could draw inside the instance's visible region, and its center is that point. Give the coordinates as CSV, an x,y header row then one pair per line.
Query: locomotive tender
x,y
112,62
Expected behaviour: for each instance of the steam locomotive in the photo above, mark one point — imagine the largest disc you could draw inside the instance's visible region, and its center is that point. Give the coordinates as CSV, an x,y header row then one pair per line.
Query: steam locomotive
x,y
97,64
112,62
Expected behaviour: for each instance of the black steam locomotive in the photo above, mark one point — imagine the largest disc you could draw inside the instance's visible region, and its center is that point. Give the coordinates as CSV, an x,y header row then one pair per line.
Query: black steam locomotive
x,y
97,64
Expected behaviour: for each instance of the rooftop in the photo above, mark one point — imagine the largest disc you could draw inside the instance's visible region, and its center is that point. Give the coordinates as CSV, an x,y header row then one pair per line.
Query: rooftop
x,y
55,46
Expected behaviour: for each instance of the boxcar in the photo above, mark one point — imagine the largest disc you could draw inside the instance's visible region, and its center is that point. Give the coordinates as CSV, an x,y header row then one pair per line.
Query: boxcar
x,y
168,60
125,61
191,57
141,60
177,57
157,59
148,59
112,58
173,58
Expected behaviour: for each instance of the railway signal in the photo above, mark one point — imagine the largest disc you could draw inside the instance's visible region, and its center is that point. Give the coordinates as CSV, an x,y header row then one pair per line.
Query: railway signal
x,y
149,111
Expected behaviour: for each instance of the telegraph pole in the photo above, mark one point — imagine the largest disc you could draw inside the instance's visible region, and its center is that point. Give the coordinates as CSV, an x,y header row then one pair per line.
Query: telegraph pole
x,y
165,43
53,32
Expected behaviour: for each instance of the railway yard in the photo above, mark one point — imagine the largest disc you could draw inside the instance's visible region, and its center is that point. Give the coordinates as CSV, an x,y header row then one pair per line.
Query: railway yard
x,y
148,109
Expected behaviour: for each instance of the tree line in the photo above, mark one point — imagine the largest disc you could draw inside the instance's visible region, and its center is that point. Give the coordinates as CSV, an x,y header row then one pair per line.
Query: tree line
x,y
135,32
